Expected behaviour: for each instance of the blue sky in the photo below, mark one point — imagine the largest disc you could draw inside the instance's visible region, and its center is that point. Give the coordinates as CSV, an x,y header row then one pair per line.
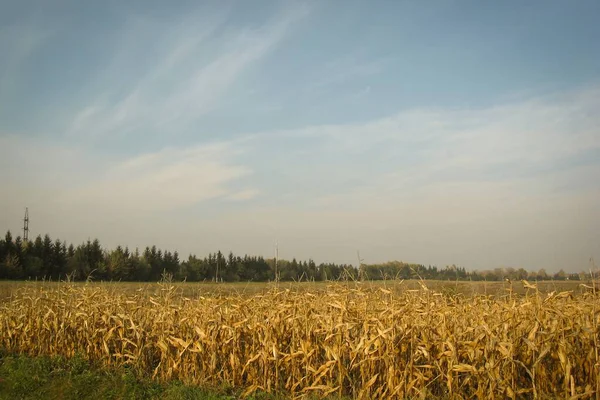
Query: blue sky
x,y
442,132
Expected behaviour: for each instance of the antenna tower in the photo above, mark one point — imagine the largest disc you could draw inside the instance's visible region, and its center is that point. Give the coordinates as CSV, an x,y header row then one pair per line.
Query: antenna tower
x,y
26,225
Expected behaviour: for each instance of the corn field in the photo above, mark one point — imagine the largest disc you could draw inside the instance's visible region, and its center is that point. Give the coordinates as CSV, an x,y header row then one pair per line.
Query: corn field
x,y
343,341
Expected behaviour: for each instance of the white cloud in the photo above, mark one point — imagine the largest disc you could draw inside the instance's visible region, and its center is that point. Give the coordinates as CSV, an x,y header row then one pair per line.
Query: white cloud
x,y
162,181
419,145
77,183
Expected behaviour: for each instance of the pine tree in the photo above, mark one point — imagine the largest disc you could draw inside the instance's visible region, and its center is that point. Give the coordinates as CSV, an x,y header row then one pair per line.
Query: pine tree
x,y
47,257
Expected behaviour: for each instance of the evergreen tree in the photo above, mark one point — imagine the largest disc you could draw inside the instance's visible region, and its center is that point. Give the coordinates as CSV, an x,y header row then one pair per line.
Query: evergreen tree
x,y
37,249
3,254
47,257
79,264
8,243
59,259
70,251
220,266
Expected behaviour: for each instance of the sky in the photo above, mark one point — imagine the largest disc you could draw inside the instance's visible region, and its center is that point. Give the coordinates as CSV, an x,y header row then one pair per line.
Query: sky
x,y
442,132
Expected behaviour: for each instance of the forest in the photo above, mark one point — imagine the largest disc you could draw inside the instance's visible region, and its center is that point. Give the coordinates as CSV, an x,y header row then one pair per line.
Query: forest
x,y
45,258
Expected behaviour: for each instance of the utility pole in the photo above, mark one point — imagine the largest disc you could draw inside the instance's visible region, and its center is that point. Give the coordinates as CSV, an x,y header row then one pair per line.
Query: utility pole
x,y
276,260
217,270
360,270
26,225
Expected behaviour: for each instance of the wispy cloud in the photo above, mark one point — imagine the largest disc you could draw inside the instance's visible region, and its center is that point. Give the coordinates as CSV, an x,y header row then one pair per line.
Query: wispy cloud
x,y
204,73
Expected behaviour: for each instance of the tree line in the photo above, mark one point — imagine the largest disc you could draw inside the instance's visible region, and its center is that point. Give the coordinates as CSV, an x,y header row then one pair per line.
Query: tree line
x,y
402,270
44,258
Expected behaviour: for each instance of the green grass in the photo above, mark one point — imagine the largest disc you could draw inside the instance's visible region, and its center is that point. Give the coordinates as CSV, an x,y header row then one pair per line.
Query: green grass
x,y
29,378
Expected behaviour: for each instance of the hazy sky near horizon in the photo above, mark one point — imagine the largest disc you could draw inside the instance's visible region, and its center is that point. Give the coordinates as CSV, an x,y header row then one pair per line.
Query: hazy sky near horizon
x,y
443,132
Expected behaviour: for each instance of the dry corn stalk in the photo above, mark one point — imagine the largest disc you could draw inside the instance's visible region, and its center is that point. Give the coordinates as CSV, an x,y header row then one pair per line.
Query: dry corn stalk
x,y
364,343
